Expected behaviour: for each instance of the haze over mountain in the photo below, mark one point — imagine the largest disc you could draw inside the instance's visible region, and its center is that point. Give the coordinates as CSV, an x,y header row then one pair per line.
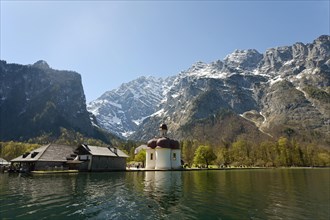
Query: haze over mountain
x,y
284,91
37,100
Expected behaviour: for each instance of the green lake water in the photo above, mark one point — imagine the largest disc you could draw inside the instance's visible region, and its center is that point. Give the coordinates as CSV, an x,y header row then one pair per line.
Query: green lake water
x,y
212,194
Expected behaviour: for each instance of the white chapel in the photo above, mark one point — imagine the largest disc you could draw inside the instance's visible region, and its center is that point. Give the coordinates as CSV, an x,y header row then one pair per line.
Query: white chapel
x,y
163,152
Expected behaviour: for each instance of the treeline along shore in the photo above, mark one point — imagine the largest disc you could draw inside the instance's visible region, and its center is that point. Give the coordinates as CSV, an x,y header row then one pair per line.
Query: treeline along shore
x,y
241,153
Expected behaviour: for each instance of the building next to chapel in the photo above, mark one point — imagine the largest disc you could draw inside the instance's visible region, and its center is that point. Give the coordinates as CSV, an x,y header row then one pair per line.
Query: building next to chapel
x,y
163,152
62,157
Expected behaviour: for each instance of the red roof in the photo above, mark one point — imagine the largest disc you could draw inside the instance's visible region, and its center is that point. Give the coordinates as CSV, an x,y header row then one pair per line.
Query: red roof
x,y
152,143
163,142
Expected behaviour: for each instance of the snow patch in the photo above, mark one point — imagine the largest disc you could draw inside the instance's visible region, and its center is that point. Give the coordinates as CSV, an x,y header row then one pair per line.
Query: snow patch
x,y
94,111
300,75
265,119
127,133
275,80
115,104
139,121
158,113
288,62
256,72
175,95
115,120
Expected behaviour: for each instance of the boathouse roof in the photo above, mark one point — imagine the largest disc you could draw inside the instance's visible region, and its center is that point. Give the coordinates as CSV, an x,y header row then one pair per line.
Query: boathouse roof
x,y
102,151
61,153
4,162
50,152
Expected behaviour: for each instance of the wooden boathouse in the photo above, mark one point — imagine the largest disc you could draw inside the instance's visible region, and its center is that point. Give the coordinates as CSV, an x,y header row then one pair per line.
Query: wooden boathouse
x,y
55,157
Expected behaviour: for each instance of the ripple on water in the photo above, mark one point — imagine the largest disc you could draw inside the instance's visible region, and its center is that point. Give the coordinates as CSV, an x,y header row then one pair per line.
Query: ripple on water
x,y
168,195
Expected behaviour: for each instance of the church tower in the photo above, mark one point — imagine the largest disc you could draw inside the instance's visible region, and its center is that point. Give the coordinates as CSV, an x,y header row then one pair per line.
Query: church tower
x,y
163,130
163,153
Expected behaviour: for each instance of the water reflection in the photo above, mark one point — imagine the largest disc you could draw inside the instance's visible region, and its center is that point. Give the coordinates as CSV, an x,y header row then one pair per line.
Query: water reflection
x,y
163,182
298,194
26,196
164,188
231,194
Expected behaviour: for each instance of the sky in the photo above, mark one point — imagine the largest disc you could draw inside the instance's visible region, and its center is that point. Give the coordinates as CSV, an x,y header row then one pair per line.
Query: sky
x,y
113,42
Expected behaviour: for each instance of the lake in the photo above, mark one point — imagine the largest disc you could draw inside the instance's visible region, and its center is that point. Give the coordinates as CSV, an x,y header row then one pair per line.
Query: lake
x,y
209,194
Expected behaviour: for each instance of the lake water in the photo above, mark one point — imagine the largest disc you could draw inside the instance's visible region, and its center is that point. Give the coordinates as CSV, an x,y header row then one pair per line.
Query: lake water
x,y
213,194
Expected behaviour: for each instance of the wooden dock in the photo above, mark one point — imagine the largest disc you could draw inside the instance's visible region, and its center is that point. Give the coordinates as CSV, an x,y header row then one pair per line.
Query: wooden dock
x,y
53,171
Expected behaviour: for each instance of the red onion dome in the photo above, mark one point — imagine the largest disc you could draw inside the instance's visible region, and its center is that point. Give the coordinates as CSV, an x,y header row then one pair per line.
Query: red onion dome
x,y
163,143
174,144
163,127
152,143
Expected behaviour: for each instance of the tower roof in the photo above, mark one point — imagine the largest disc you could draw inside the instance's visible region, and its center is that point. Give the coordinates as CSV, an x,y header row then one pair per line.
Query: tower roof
x,y
152,143
163,126
163,141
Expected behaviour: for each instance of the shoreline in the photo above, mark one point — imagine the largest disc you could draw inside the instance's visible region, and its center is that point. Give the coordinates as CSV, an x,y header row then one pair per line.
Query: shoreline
x,y
42,172
210,169
54,172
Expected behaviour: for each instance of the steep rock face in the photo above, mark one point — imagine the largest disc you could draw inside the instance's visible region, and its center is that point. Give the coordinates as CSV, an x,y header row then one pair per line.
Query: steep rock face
x,y
201,92
284,91
35,99
122,110
297,73
243,59
287,107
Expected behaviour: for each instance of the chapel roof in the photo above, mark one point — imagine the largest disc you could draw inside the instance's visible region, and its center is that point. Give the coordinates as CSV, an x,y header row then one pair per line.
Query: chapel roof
x,y
163,142
163,126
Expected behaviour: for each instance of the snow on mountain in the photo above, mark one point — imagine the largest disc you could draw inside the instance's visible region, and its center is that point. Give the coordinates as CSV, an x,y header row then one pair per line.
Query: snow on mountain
x,y
245,82
122,110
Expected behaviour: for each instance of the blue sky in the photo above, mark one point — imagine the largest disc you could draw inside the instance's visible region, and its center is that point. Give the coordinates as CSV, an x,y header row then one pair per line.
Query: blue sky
x,y
112,42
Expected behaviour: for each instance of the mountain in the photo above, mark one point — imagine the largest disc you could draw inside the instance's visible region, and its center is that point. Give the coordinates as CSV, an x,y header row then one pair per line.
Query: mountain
x,y
283,92
36,100
122,110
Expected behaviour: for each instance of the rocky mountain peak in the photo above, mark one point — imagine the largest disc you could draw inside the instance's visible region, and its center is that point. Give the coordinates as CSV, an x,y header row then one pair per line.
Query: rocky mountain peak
x,y
322,39
41,64
217,65
284,88
122,110
243,59
197,66
35,99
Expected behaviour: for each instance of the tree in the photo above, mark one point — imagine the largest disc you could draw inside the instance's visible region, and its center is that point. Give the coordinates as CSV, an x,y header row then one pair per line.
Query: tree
x,y
222,156
11,150
240,152
188,152
131,155
283,152
268,153
297,155
204,155
141,156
